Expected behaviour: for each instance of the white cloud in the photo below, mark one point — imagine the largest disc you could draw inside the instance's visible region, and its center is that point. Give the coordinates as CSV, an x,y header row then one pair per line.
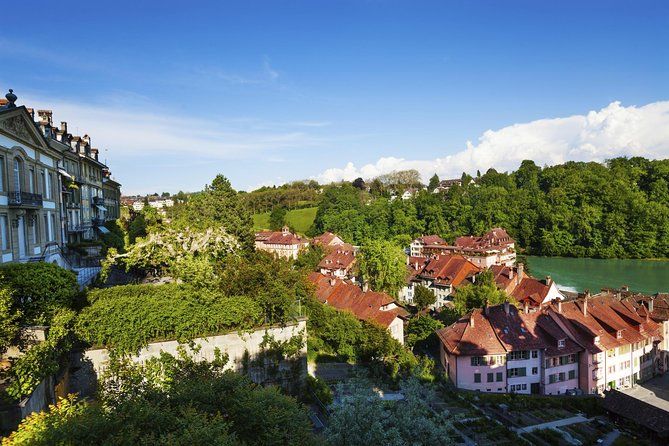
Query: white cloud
x,y
613,131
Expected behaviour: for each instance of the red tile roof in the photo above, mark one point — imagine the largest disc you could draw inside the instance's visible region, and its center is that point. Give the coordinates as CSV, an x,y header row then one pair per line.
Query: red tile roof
x,y
279,238
345,296
341,257
496,238
521,286
431,240
324,239
448,270
471,335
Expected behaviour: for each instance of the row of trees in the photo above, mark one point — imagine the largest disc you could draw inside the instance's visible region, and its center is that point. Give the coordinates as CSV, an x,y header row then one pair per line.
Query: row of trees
x,y
615,210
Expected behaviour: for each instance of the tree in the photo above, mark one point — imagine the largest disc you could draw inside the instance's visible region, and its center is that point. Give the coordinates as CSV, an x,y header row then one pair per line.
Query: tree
x,y
218,206
171,401
434,182
421,332
9,321
277,218
383,266
424,297
483,292
359,183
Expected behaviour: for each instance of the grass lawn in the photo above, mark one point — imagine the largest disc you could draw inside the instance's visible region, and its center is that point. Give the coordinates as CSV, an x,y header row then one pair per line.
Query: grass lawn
x,y
299,219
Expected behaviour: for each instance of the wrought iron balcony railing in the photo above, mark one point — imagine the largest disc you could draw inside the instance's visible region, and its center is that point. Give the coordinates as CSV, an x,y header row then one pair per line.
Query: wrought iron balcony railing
x,y
24,199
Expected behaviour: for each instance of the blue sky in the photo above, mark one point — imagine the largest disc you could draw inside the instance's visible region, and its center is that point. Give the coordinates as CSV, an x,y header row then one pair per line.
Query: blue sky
x,y
267,92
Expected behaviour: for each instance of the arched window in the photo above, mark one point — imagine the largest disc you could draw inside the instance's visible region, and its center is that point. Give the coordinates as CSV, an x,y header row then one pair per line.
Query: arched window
x,y
18,174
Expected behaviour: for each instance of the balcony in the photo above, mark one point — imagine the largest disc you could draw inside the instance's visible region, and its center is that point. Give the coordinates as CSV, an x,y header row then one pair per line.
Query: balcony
x,y
99,201
22,199
72,229
98,221
71,205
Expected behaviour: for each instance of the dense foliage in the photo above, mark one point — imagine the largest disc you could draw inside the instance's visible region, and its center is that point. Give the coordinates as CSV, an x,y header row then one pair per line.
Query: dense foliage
x,y
171,401
39,290
617,209
423,297
421,333
361,418
483,292
128,317
383,265
217,206
297,194
277,218
41,359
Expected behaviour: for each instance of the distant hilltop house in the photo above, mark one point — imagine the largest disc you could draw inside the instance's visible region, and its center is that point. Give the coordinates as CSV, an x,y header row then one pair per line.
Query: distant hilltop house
x,y
282,243
589,344
445,185
339,262
155,202
327,239
495,247
442,274
374,307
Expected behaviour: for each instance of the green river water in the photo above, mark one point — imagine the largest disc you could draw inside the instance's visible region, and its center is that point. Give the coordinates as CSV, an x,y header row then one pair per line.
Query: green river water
x,y
647,276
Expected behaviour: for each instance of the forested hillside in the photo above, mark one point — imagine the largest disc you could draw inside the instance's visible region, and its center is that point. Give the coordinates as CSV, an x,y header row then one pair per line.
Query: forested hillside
x,y
618,209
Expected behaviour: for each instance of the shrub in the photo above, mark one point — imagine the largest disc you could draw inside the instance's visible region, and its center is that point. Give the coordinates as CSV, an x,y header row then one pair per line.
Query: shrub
x,y
129,317
40,289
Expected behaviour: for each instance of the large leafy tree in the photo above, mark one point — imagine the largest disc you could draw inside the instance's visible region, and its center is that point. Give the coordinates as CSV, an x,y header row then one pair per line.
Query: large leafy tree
x,y
424,297
383,265
218,206
277,218
483,292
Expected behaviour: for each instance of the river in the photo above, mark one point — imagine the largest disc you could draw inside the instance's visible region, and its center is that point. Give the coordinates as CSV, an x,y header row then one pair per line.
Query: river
x,y
646,276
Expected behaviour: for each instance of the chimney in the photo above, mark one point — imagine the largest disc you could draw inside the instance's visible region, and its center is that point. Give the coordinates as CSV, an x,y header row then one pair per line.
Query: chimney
x,y
559,306
416,264
285,230
486,310
471,320
86,139
332,281
549,280
45,116
526,307
519,276
365,287
63,126
585,304
511,273
408,261
651,305
506,307
625,288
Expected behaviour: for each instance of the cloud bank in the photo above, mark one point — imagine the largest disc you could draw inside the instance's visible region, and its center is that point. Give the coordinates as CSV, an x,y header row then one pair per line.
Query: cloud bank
x,y
613,131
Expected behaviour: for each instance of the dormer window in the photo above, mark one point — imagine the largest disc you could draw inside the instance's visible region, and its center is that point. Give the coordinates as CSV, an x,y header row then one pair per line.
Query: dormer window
x,y
619,334
561,343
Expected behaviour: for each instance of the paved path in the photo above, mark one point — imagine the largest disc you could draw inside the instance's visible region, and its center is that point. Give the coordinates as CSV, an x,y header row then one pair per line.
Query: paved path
x,y
556,423
655,392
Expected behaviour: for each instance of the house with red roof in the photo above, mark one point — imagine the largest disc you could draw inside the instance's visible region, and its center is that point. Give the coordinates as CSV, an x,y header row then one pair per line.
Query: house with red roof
x,y
370,306
327,239
495,247
282,243
431,242
339,262
523,288
442,274
592,343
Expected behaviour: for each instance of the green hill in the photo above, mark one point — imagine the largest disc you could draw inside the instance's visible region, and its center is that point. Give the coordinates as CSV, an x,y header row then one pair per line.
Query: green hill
x,y
298,219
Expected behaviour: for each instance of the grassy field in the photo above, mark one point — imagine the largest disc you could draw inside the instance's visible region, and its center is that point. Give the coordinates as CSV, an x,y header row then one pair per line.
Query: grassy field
x,y
299,219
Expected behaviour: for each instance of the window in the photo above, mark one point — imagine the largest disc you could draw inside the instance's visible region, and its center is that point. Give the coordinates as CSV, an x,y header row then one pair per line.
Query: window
x,y
552,379
4,233
479,360
43,180
561,343
561,376
524,387
477,377
499,377
535,370
518,355
47,186
52,228
46,227
490,377
18,173
520,371
535,353
572,374
33,231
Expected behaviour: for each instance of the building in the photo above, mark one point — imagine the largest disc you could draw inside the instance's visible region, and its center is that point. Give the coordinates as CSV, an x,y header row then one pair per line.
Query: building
x,y
425,244
445,185
591,343
442,274
495,247
51,190
339,262
370,306
283,244
523,288
327,239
